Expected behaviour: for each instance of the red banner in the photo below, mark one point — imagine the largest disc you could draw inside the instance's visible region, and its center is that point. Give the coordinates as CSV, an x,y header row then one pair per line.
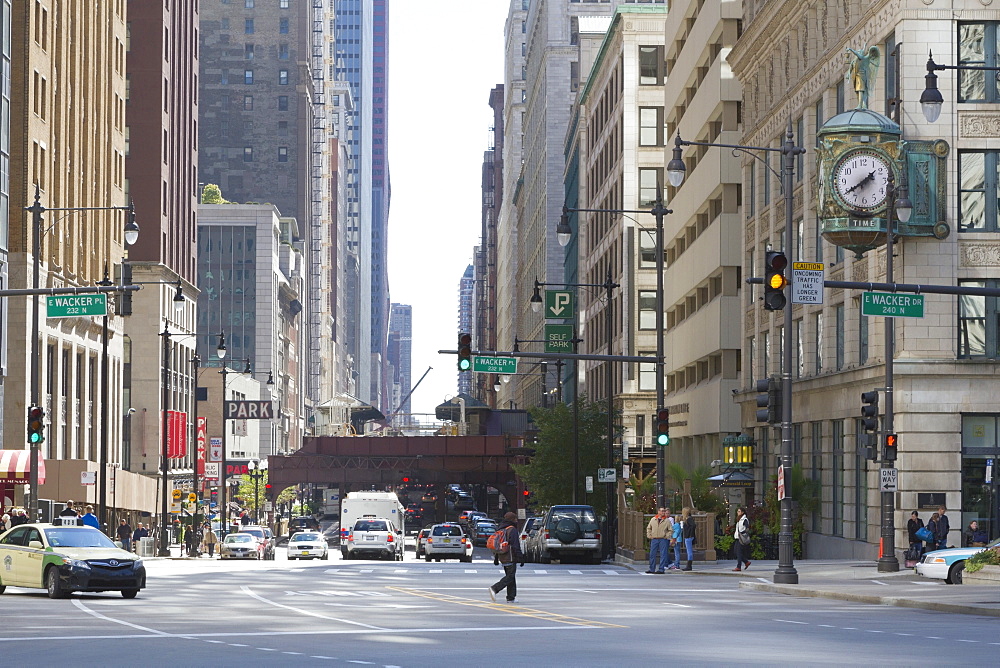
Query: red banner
x,y
176,435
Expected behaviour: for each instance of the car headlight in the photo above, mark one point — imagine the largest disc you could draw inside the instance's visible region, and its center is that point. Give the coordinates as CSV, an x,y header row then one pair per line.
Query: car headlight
x,y
137,563
75,563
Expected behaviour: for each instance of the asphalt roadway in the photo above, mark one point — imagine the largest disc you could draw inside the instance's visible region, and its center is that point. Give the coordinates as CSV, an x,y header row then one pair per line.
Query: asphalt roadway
x,y
212,613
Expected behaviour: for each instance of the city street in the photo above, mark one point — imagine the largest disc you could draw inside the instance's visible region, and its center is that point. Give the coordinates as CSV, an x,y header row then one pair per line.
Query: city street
x,y
201,612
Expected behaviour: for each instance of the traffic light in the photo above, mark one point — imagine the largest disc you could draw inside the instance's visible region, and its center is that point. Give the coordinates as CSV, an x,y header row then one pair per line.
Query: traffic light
x,y
775,263
889,454
36,424
464,351
267,486
869,410
125,298
406,479
769,401
663,427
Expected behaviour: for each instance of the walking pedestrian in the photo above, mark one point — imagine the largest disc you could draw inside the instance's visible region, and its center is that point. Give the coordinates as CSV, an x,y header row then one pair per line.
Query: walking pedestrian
x,y
676,541
688,533
509,560
942,529
658,532
191,541
124,533
742,543
4,522
913,525
90,519
210,541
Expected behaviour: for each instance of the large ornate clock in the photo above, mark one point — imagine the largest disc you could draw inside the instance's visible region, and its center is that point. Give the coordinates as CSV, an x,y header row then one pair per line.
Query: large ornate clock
x,y
860,180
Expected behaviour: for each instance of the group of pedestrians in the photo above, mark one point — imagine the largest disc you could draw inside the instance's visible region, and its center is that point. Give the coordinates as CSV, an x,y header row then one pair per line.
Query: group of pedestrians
x,y
667,533
934,534
130,538
14,518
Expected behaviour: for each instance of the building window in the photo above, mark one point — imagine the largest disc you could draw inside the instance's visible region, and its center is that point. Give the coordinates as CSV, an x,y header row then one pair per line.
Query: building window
x,y
282,154
839,315
647,309
248,27
766,173
816,464
248,154
651,65
248,103
765,354
647,374
282,103
837,483
977,46
282,52
524,27
283,25
524,49
977,191
650,184
651,126
840,97
248,4
751,264
248,76
819,342
282,77
647,249
248,52
862,336
800,163
860,484
977,322
750,202
282,4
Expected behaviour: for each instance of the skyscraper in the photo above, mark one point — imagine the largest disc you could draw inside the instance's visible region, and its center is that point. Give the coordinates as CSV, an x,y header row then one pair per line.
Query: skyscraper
x,y
400,345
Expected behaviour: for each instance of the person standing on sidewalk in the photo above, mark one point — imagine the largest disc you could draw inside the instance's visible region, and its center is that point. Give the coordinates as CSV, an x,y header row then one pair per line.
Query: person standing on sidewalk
x,y
510,559
688,534
657,531
210,540
124,533
676,541
913,525
942,529
742,536
90,519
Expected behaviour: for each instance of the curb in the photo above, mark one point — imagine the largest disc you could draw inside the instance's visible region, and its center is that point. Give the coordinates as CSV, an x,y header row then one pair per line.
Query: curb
x,y
936,606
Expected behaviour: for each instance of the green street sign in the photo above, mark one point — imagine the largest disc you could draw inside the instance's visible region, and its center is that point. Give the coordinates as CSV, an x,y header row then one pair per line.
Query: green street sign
x,y
71,306
892,305
558,338
494,364
559,304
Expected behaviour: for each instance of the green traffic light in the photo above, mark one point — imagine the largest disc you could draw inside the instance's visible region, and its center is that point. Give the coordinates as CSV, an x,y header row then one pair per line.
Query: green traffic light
x,y
35,438
663,439
464,365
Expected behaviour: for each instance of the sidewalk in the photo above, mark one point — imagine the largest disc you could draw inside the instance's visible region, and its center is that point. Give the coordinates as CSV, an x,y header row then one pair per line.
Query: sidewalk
x,y
856,581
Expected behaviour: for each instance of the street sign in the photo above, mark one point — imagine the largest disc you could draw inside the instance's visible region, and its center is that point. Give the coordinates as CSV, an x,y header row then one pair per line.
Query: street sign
x,y
781,483
175,507
249,410
494,364
559,304
558,338
807,282
590,483
176,495
212,470
88,477
606,475
888,479
215,449
73,306
989,471
892,305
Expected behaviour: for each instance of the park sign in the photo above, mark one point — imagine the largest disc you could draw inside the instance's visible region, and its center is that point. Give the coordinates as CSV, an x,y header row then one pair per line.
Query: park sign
x,y
558,338
892,305
249,410
73,306
559,304
494,364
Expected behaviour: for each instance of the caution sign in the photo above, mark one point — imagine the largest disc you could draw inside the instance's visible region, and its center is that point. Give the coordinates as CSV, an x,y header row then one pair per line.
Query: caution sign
x,y
807,282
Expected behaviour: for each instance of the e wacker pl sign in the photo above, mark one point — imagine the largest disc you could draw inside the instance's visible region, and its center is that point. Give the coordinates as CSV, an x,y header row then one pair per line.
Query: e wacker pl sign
x,y
71,306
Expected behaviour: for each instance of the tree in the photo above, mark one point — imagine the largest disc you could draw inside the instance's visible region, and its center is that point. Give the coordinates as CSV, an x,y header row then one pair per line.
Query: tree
x,y
249,487
643,496
212,194
549,473
702,493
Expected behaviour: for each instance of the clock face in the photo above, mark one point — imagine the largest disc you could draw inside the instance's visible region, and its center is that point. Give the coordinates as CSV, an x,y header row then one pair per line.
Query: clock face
x,y
861,178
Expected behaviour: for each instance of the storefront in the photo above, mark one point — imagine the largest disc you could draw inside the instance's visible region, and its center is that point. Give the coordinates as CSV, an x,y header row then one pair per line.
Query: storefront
x,y
980,488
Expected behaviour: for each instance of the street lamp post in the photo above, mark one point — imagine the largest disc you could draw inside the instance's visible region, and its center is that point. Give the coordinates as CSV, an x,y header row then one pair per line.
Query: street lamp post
x,y
131,235
931,99
257,470
536,305
785,572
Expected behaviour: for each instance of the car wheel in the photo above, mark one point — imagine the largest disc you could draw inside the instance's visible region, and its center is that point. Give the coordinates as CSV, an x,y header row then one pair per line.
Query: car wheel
x,y
428,558
53,584
326,556
955,573
466,560
130,593
292,558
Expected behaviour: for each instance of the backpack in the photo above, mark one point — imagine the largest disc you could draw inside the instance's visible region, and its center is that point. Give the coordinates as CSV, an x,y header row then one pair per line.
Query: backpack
x,y
497,542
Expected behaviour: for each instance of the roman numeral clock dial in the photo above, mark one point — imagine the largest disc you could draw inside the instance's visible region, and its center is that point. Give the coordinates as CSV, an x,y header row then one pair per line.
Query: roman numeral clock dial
x,y
860,180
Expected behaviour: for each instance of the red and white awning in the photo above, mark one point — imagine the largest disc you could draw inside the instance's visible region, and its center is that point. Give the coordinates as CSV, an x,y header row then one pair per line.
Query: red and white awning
x,y
15,467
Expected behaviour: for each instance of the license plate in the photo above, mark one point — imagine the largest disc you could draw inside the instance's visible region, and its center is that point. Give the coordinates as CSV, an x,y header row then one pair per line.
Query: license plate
x,y
589,535
305,551
447,540
370,537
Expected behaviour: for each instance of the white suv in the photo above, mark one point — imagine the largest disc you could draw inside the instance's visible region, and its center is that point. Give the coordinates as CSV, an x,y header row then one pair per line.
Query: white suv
x,y
447,541
376,536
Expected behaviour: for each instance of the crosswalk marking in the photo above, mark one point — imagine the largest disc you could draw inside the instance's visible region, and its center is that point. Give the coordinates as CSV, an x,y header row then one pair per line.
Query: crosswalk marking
x,y
473,571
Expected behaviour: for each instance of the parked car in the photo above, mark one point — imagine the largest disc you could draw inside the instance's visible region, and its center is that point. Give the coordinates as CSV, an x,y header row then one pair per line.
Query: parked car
x,y
64,559
447,541
421,541
531,525
307,545
482,531
264,535
568,532
241,546
304,523
376,536
948,564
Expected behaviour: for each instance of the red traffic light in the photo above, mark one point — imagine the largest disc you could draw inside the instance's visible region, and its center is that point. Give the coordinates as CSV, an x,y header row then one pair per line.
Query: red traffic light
x,y
267,486
406,480
527,493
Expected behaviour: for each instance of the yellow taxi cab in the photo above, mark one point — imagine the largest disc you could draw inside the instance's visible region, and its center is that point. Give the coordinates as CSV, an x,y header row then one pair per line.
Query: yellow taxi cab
x,y
65,559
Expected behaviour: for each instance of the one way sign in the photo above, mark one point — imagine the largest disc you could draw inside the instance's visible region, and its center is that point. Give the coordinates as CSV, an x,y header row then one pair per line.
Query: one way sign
x,y
889,479
249,410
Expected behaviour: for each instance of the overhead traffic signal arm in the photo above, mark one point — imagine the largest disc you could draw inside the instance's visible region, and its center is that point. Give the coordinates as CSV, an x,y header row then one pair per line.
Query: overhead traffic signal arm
x,y
775,281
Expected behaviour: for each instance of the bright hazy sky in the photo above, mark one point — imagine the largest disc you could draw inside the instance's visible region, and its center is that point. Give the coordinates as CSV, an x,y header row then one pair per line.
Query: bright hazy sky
x,y
444,58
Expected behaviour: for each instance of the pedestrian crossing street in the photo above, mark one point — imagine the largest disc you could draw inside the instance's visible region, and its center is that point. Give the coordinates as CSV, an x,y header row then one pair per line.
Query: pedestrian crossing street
x,y
521,572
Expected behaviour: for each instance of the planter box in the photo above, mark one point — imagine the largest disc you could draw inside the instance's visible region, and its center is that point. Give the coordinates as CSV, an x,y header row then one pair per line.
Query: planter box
x,y
989,575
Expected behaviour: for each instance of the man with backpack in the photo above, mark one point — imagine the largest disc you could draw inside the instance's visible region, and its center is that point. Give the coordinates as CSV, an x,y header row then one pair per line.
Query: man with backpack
x,y
506,547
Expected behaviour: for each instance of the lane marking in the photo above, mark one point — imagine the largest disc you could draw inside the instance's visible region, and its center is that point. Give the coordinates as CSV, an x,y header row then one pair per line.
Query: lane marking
x,y
765,580
246,590
878,582
575,572
790,621
137,627
512,609
678,605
